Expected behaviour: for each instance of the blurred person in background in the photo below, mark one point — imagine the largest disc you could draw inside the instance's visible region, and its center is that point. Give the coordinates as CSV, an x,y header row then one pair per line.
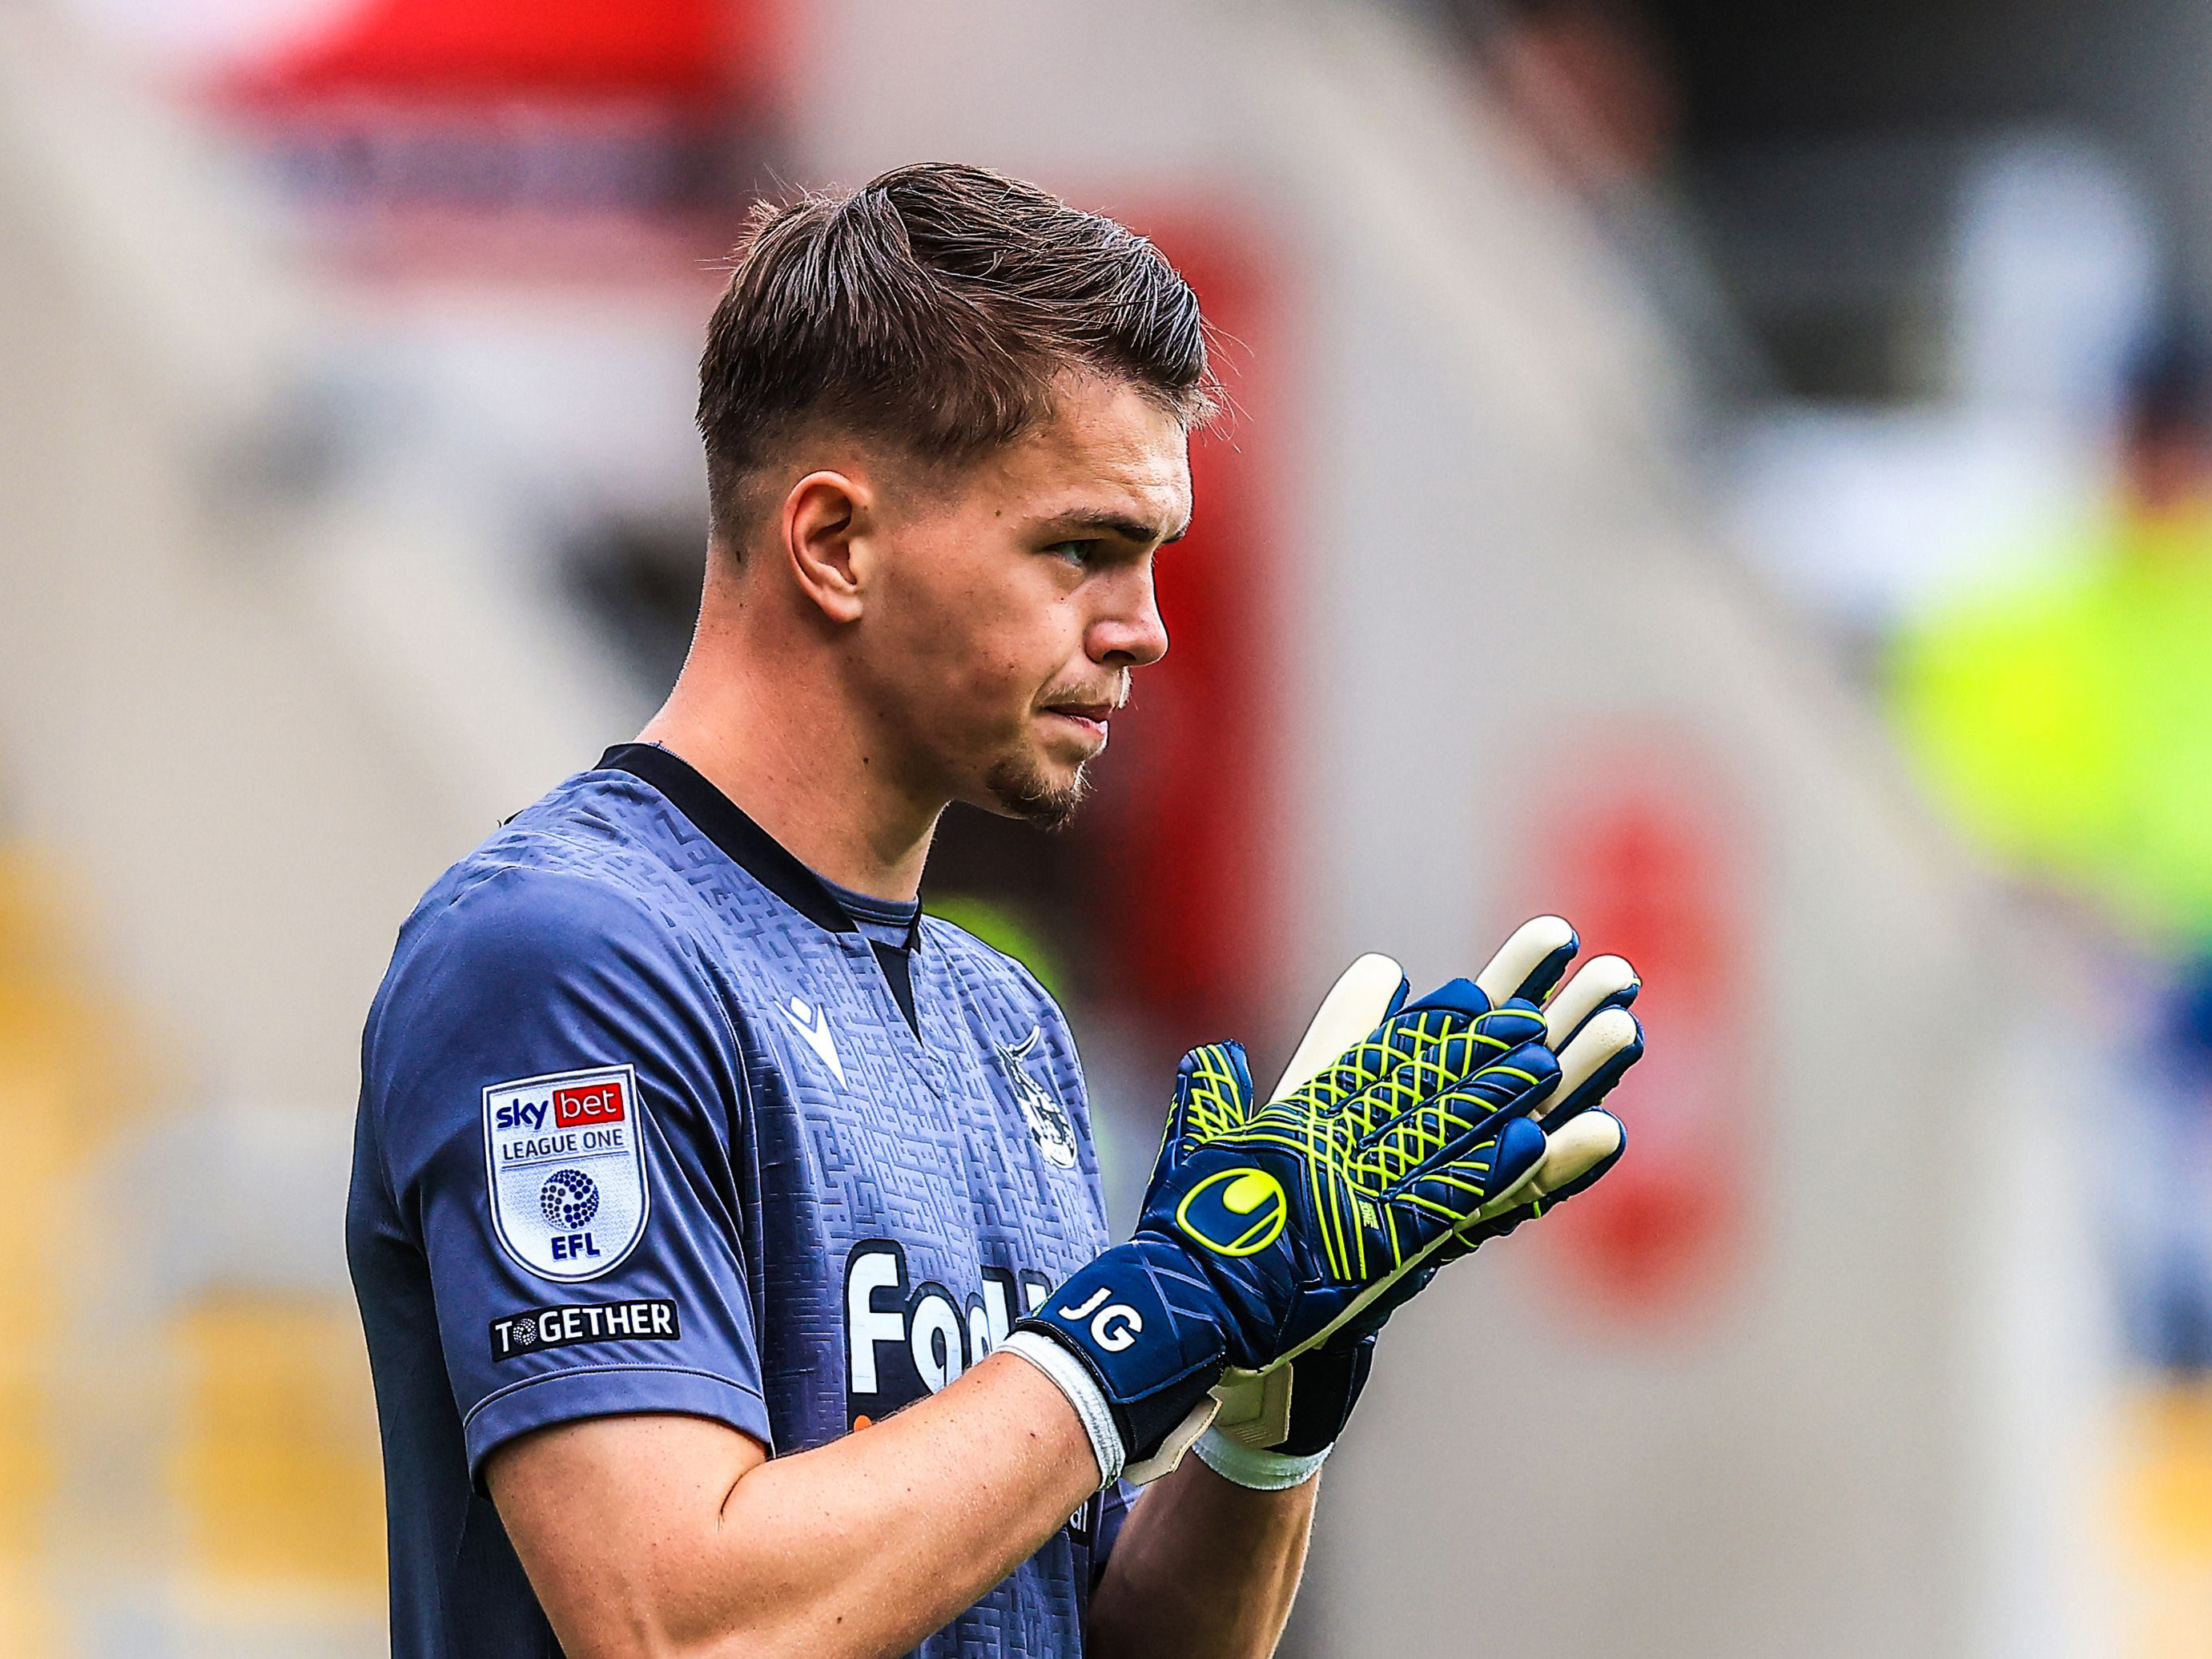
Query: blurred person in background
x,y
2064,720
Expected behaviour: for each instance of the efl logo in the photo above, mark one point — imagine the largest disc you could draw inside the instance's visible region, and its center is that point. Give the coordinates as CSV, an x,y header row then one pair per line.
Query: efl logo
x,y
588,1104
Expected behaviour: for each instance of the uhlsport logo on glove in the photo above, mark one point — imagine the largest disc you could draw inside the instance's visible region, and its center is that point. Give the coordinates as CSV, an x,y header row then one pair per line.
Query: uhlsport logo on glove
x,y
1236,1212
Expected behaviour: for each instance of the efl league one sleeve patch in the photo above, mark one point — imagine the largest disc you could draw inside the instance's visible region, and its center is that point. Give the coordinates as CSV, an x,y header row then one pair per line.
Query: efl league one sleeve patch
x,y
566,1170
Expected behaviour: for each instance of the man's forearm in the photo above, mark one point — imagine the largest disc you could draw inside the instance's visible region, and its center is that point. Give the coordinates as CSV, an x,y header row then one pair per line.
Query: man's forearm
x,y
860,1547
1204,1568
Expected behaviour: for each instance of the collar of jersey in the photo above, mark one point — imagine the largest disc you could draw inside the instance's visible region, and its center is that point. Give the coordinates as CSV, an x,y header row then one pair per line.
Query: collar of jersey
x,y
723,822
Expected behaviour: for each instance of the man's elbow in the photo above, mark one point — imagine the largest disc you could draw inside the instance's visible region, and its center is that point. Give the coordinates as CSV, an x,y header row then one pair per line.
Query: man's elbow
x,y
745,1633
695,1608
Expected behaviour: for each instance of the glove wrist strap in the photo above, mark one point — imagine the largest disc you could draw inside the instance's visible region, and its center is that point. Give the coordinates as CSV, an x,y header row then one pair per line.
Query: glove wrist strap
x,y
1179,1439
1150,1358
1261,1471
1073,1378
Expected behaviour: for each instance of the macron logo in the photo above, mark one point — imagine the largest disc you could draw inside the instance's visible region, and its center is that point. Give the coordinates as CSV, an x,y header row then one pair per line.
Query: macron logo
x,y
813,1025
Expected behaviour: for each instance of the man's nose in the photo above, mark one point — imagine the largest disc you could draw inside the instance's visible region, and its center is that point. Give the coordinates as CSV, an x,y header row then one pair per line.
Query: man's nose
x,y
1128,632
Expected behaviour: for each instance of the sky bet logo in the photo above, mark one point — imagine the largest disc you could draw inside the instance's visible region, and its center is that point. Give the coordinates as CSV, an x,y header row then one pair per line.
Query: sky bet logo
x,y
571,1107
902,1343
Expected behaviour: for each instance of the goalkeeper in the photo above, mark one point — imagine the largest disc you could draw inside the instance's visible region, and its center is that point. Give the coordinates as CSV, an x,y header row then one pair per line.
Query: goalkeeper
x,y
727,1234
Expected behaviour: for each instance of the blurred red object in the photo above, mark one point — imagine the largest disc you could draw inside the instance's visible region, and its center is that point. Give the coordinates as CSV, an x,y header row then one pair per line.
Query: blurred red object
x,y
695,52
1190,911
543,143
1651,861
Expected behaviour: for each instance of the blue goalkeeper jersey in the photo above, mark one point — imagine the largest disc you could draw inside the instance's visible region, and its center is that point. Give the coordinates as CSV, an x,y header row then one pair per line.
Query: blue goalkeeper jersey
x,y
650,1122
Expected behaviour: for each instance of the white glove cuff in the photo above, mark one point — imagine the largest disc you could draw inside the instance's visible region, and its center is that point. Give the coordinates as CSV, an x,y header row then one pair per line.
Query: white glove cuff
x,y
1261,1471
1083,1392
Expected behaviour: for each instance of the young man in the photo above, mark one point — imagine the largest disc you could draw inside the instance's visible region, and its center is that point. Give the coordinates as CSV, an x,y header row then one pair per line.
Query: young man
x,y
685,1139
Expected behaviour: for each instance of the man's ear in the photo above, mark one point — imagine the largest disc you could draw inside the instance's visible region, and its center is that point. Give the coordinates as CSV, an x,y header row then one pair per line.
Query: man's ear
x,y
826,519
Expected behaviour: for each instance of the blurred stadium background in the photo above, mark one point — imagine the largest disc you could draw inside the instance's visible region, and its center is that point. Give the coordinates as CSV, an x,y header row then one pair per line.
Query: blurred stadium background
x,y
1744,468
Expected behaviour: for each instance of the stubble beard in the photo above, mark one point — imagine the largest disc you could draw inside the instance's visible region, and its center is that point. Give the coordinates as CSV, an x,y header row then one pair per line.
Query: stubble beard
x,y
1020,789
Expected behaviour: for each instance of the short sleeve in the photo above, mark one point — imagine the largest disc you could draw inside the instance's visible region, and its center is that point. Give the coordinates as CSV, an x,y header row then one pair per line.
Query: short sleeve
x,y
554,1086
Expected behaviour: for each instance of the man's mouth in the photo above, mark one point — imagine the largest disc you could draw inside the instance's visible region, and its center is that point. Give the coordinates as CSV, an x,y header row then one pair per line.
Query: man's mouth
x,y
1089,717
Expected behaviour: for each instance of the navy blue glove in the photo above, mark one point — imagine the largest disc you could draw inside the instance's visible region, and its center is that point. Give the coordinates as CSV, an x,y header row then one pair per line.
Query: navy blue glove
x,y
1295,1412
1269,1228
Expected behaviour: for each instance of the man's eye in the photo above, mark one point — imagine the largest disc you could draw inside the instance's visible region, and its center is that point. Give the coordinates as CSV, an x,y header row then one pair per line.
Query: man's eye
x,y
1079,553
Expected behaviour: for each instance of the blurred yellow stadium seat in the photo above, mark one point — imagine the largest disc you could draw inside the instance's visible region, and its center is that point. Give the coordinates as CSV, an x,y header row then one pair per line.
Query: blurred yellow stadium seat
x,y
2164,1514
70,1076
275,1463
273,1477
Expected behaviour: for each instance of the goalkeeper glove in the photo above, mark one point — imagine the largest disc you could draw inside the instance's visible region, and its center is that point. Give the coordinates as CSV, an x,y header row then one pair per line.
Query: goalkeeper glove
x,y
1269,1228
1274,1427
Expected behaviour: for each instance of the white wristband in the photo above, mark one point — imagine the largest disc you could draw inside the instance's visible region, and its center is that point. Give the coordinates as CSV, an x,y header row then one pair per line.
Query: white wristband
x,y
1261,1471
1083,1393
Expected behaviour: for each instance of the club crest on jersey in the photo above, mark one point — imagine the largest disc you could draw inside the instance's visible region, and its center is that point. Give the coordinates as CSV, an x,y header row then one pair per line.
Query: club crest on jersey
x,y
565,1170
1049,1125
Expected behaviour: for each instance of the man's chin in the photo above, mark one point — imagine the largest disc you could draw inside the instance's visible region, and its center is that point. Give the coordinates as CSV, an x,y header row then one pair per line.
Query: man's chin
x,y
1021,788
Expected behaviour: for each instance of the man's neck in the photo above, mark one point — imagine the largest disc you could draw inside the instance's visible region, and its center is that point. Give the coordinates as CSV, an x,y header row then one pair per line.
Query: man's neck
x,y
794,754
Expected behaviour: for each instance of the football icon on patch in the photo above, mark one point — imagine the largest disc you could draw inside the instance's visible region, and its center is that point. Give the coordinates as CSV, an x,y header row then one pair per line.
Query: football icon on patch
x,y
566,1168
1047,1120
569,1198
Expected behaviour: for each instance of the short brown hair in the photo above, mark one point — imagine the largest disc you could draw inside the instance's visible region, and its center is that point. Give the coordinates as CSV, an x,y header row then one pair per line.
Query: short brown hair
x,y
931,309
